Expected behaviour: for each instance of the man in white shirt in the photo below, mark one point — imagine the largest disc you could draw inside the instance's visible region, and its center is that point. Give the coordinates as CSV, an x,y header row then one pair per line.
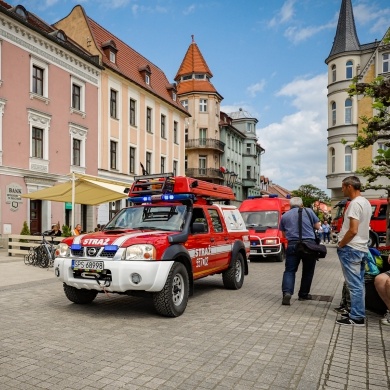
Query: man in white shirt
x,y
352,248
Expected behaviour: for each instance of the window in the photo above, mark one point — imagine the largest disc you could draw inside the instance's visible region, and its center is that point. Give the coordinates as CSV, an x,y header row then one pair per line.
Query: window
x,y
333,114
148,162
162,165
348,111
249,127
184,103
132,112
199,76
112,57
349,70
37,80
215,220
163,135
188,77
186,135
185,162
132,160
76,152
148,119
333,73
113,156
147,79
386,62
175,124
382,145
348,159
333,160
202,137
113,103
202,105
248,148
248,172
202,165
76,97
174,168
174,96
37,143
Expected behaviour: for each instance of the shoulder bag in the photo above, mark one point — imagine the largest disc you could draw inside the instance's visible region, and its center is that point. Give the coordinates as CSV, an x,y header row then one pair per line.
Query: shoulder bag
x,y
308,249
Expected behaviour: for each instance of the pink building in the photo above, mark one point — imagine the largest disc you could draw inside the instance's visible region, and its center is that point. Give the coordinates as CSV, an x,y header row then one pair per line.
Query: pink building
x,y
49,94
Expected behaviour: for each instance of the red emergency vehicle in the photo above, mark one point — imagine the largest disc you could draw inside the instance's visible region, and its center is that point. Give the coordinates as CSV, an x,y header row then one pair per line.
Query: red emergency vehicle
x,y
262,218
378,223
174,233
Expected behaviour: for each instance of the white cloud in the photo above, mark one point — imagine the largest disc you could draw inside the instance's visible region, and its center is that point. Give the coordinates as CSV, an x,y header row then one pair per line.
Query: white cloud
x,y
189,10
295,147
297,35
255,88
284,15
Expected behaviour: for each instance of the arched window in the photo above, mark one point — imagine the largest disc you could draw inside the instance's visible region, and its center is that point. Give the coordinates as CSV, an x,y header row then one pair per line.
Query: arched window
x,y
333,113
332,160
349,70
333,73
348,159
348,111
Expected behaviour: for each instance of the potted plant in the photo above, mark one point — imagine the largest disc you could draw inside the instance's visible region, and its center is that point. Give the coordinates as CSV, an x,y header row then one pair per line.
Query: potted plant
x,y
66,232
25,232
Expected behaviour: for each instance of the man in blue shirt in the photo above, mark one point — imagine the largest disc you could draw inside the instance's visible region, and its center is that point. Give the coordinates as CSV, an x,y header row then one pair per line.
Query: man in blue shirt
x,y
290,228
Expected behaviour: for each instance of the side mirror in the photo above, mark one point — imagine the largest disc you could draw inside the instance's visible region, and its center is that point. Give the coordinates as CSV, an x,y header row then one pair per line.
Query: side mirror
x,y
198,227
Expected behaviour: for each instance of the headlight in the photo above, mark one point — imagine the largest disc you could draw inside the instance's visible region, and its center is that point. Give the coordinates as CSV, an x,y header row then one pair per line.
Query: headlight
x,y
140,252
273,241
62,250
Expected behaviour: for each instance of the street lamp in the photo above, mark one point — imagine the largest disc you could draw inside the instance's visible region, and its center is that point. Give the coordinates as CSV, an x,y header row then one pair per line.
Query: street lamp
x,y
230,177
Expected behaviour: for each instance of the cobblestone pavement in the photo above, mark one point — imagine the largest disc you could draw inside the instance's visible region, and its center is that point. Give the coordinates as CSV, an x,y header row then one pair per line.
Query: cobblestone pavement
x,y
241,339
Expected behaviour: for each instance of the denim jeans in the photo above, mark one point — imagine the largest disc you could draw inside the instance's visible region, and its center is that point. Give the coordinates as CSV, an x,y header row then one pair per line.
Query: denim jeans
x,y
291,267
352,263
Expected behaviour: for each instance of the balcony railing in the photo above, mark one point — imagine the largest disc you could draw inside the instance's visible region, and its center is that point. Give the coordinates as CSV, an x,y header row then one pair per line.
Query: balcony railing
x,y
206,173
205,143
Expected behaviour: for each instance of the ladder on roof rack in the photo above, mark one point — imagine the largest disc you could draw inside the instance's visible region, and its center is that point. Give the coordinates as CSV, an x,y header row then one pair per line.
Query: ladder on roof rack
x,y
159,183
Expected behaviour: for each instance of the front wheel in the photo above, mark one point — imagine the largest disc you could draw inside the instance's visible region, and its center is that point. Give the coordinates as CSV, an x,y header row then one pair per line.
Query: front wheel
x,y
233,278
172,300
281,256
80,296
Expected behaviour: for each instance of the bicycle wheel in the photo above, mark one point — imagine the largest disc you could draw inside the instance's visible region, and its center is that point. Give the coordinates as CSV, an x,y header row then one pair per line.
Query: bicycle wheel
x,y
29,258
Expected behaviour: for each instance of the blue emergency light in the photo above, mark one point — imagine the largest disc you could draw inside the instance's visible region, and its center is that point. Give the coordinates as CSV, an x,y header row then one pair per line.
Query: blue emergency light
x,y
111,248
76,247
161,198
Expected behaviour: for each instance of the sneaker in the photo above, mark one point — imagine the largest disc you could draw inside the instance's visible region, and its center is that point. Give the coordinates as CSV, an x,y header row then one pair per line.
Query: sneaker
x,y
386,318
350,322
307,297
286,299
341,310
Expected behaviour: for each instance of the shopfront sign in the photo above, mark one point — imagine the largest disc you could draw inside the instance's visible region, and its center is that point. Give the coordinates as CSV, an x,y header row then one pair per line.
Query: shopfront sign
x,y
13,196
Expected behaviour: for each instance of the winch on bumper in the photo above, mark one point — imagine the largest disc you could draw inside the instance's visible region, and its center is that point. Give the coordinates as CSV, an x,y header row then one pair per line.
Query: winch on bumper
x,y
112,275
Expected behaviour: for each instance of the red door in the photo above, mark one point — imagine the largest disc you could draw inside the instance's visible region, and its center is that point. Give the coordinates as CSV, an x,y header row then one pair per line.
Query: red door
x,y
35,216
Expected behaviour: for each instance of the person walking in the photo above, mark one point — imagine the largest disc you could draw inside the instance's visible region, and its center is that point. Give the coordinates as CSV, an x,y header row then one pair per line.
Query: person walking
x,y
352,249
326,231
289,225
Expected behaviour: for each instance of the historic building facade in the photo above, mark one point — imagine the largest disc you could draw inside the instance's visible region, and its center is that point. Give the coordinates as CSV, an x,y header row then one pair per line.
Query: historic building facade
x,y
49,88
349,58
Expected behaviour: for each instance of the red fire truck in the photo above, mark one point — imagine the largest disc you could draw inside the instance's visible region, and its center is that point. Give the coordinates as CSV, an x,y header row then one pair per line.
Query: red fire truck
x,y
174,233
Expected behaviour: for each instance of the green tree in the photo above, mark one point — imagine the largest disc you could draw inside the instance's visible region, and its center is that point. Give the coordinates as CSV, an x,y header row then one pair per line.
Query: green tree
x,y
25,231
311,194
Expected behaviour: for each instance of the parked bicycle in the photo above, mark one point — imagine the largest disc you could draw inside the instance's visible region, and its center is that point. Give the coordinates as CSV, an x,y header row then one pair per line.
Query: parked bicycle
x,y
42,255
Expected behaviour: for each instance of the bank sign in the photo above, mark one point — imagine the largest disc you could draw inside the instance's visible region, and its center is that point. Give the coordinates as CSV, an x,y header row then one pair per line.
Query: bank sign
x,y
13,196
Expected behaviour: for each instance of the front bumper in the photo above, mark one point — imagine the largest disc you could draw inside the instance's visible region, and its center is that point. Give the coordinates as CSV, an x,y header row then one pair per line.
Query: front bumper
x,y
259,248
153,275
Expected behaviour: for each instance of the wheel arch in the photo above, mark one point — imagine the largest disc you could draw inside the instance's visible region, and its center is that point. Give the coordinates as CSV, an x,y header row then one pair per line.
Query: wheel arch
x,y
180,254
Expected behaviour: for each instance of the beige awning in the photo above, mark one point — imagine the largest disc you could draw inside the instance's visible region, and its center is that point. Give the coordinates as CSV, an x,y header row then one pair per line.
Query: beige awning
x,y
89,190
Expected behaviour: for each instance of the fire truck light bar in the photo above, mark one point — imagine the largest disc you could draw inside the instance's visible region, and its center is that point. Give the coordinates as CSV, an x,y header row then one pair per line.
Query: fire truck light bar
x,y
263,196
161,198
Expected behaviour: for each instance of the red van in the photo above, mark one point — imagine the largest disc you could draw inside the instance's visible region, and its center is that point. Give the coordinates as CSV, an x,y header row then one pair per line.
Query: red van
x,y
262,215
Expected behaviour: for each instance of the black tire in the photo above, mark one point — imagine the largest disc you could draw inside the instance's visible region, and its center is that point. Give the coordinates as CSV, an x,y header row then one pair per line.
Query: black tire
x,y
233,278
372,241
281,256
172,300
80,296
44,260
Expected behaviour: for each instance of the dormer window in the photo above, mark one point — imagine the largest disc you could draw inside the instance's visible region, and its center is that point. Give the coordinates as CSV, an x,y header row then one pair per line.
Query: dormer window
x,y
145,73
59,34
174,96
20,11
172,90
110,50
147,79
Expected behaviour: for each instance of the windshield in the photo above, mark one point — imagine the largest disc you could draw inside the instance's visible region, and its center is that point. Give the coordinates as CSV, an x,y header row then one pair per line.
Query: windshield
x,y
261,218
169,218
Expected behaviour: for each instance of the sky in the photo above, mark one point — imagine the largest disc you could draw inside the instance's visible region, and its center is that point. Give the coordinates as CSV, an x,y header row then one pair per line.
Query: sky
x,y
267,57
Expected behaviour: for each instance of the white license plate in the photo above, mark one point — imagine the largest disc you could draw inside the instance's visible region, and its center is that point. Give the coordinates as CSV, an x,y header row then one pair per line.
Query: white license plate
x,y
254,251
87,265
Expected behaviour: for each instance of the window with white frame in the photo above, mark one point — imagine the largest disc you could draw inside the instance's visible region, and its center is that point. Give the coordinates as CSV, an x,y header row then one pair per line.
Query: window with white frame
x,y
334,113
184,103
248,148
163,130
333,73
202,136
348,111
78,136
202,105
202,165
37,142
39,134
77,95
39,79
248,172
147,79
186,135
348,159
332,160
113,154
175,131
185,162
132,160
349,70
112,56
113,103
133,108
148,119
385,62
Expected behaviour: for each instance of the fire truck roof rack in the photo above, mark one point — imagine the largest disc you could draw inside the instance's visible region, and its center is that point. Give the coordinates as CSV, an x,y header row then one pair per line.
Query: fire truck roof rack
x,y
166,183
